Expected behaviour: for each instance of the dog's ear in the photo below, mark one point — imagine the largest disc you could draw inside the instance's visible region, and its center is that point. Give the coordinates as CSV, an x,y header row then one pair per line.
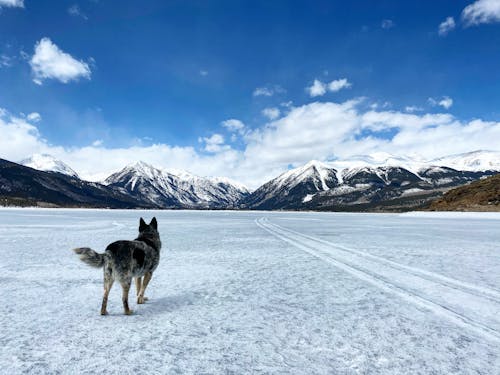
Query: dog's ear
x,y
154,223
142,225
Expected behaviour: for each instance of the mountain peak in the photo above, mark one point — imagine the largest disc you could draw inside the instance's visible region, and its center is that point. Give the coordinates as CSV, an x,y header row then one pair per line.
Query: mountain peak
x,y
48,163
315,164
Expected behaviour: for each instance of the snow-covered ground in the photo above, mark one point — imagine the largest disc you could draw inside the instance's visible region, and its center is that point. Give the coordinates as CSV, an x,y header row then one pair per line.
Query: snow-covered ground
x,y
255,292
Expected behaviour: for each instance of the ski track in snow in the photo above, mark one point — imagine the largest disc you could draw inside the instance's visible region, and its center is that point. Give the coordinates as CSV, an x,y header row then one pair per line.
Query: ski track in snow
x,y
298,293
409,283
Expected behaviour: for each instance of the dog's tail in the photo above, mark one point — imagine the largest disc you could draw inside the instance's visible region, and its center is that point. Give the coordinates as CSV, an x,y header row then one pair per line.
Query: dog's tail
x,y
90,257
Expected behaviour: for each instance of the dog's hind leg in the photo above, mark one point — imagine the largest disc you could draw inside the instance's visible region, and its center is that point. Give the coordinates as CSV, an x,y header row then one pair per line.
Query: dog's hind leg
x,y
125,290
108,283
138,285
147,277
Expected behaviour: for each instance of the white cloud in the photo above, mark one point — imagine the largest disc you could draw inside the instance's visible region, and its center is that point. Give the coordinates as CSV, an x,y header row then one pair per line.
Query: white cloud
x,y
319,88
271,113
326,130
446,102
233,125
481,11
268,90
319,130
214,143
5,61
338,85
413,108
262,91
12,3
203,73
75,11
446,26
34,117
49,62
387,24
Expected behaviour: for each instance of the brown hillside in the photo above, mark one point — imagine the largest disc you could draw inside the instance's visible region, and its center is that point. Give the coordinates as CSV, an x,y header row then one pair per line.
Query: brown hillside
x,y
482,195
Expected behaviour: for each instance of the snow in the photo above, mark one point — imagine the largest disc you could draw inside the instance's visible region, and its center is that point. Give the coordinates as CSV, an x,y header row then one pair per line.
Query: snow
x,y
44,162
481,160
412,191
471,161
320,174
176,184
308,198
256,292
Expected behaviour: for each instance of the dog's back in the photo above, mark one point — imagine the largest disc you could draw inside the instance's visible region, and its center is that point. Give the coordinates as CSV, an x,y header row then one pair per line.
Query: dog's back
x,y
127,259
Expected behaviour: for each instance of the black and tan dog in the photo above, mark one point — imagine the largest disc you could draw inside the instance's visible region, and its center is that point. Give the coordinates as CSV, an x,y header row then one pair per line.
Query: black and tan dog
x,y
124,260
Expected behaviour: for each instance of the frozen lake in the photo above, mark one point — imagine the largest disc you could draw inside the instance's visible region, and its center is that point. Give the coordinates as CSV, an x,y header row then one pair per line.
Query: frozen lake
x,y
255,292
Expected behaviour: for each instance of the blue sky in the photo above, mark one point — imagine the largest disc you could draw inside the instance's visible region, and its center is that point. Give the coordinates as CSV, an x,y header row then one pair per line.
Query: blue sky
x,y
171,72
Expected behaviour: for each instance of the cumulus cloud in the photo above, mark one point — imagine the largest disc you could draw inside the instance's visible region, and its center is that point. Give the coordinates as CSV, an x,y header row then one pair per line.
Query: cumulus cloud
x,y
214,143
74,10
50,62
271,113
233,125
5,61
413,108
481,11
319,88
268,90
20,138
446,102
12,3
446,26
338,85
318,130
329,130
34,117
387,24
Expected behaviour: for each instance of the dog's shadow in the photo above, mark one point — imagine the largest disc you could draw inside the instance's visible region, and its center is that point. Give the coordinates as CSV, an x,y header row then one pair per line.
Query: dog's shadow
x,y
160,305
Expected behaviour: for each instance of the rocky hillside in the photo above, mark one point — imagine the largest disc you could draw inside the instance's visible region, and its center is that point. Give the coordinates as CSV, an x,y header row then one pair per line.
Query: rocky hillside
x,y
24,186
482,195
318,186
176,189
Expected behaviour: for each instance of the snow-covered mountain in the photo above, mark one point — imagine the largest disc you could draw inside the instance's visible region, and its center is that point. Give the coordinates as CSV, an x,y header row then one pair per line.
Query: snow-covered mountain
x,y
360,180
471,161
26,186
176,188
299,183
48,163
370,180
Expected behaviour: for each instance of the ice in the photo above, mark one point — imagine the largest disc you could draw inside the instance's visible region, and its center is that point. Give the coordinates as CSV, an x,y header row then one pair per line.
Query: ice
x,y
255,292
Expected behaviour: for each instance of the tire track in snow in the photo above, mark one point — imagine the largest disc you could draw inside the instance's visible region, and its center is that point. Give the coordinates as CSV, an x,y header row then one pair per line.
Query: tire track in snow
x,y
376,277
491,294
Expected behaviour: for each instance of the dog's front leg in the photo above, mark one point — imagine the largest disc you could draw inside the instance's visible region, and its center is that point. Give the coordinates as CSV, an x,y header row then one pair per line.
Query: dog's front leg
x,y
147,277
125,290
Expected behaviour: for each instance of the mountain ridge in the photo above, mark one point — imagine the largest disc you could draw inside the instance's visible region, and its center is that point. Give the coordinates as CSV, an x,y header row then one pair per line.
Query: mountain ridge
x,y
367,181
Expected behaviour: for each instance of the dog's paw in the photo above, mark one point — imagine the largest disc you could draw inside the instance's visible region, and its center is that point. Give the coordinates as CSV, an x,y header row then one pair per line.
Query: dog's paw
x,y
141,300
129,312
104,312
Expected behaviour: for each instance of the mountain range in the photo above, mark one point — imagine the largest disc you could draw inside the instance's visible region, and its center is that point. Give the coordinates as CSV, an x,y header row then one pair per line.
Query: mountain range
x,y
375,182
176,189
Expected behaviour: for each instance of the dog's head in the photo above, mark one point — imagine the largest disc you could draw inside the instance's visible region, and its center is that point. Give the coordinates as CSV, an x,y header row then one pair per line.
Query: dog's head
x,y
150,231
143,227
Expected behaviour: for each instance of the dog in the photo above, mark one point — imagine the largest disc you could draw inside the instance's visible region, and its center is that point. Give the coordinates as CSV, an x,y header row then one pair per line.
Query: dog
x,y
124,260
